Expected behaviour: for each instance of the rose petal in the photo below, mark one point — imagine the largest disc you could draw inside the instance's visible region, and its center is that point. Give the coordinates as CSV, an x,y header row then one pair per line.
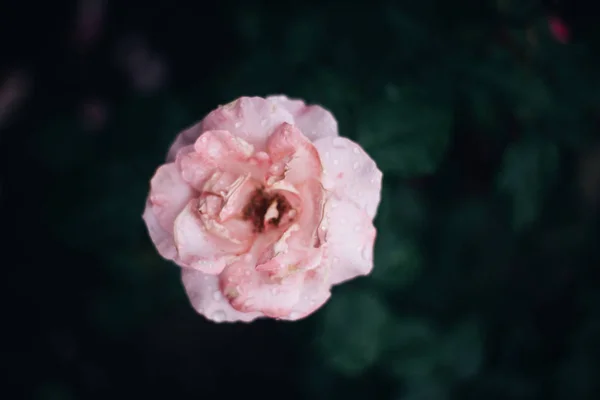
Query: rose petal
x,y
314,121
185,138
315,292
169,194
289,148
206,298
163,240
350,173
350,237
252,291
200,249
250,118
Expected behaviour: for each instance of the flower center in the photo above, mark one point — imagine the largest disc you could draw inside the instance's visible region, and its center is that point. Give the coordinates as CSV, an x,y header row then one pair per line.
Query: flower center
x,y
266,209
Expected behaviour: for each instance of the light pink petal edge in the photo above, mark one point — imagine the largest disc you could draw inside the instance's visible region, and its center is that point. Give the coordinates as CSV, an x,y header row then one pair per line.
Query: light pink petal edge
x,y
350,173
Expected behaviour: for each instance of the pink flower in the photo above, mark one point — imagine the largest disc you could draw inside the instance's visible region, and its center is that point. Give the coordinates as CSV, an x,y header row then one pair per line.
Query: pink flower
x,y
264,207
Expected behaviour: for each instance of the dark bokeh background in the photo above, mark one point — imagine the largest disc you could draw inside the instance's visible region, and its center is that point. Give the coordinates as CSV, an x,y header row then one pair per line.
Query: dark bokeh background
x,y
483,116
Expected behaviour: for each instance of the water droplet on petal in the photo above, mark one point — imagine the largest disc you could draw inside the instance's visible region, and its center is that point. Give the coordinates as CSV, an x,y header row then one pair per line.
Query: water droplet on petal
x,y
336,162
356,165
218,316
355,150
338,142
217,295
365,253
335,260
357,228
327,154
238,124
294,315
264,122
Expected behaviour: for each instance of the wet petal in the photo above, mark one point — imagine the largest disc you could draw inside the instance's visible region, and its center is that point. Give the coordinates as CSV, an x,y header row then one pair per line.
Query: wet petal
x,y
201,244
350,237
315,292
314,121
206,298
185,138
169,194
250,118
350,173
297,156
162,239
250,291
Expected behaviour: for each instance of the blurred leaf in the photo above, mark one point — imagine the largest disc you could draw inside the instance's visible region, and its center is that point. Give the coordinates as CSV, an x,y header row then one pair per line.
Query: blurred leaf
x,y
462,350
397,261
351,331
427,389
410,351
408,136
528,168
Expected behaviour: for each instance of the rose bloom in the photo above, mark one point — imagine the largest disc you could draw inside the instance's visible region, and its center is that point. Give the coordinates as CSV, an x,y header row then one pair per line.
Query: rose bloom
x,y
264,207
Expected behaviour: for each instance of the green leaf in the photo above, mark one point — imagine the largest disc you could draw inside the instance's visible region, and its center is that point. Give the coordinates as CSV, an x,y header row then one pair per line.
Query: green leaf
x,y
398,261
410,349
407,136
529,167
462,350
427,389
352,331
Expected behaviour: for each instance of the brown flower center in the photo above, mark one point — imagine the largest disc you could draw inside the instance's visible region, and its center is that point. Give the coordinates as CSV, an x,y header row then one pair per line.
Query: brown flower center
x,y
265,209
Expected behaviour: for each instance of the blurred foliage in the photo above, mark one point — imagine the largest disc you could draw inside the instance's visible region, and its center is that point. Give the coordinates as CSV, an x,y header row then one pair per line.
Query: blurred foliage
x,y
486,282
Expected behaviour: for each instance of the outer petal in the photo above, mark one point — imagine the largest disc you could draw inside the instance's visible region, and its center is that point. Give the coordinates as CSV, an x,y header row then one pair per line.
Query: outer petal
x,y
250,118
206,298
197,248
315,292
185,138
162,239
350,237
350,173
251,291
169,194
294,155
314,121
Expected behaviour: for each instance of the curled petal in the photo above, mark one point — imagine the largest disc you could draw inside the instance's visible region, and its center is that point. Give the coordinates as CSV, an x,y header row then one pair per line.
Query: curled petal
x,y
206,298
169,194
315,292
295,154
350,173
250,118
314,121
185,138
162,239
350,237
250,291
204,245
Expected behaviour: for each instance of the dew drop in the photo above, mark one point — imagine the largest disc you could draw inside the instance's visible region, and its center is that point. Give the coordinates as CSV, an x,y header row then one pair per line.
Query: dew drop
x,y
335,260
355,150
357,228
217,296
336,162
218,316
356,165
264,122
338,142
238,124
365,253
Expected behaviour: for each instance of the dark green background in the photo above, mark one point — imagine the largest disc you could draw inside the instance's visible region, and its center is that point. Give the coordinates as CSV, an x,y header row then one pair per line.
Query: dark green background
x,y
486,272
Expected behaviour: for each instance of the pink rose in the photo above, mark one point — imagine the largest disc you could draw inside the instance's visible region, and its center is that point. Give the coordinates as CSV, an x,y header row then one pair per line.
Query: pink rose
x,y
265,207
